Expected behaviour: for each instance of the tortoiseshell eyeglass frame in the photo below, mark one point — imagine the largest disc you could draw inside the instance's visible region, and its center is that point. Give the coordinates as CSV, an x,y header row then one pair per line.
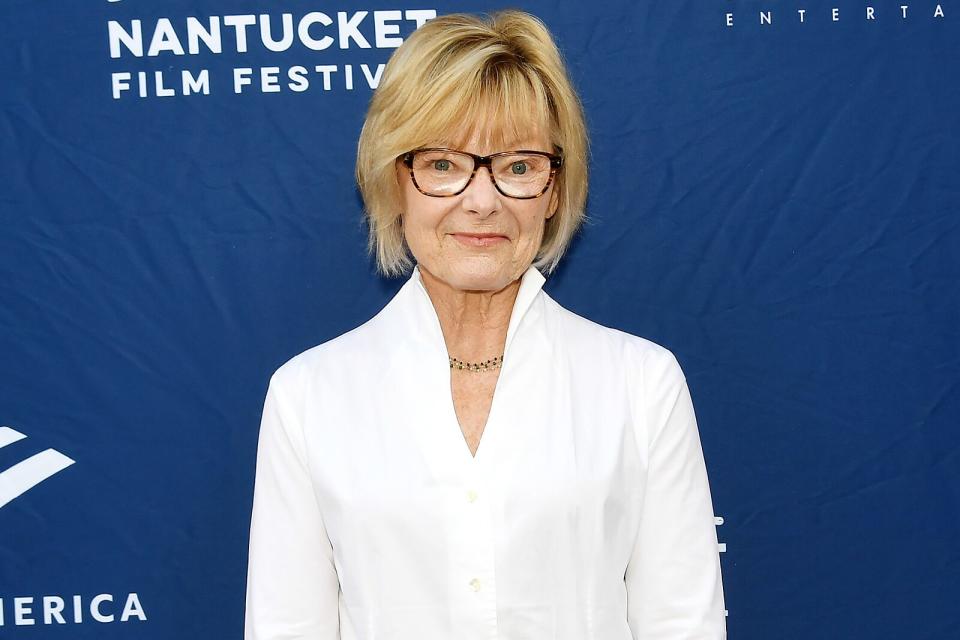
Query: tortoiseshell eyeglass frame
x,y
556,161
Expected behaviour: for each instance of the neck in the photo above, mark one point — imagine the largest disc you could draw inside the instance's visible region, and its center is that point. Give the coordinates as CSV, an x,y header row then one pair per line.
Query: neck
x,y
474,323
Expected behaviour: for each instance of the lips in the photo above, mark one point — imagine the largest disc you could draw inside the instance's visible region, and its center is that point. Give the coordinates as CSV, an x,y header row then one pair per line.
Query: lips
x,y
479,239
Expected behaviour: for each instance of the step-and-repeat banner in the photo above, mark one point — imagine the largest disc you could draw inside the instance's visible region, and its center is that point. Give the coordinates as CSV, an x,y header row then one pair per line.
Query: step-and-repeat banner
x,y
775,197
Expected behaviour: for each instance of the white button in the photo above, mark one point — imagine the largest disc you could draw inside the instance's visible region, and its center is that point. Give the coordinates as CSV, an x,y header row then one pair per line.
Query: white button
x,y
471,496
475,584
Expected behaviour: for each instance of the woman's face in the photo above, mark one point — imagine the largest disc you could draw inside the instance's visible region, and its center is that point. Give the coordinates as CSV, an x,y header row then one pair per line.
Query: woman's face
x,y
443,233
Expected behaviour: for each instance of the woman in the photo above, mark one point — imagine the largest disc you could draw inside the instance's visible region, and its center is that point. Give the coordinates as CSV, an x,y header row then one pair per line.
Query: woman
x,y
476,461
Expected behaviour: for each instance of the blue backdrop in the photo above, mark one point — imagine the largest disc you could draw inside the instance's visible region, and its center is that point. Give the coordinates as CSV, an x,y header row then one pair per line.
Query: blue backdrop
x,y
774,197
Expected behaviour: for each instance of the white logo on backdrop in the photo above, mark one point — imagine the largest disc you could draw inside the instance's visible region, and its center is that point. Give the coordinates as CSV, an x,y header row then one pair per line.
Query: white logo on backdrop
x,y
191,39
30,472
27,611
868,13
718,520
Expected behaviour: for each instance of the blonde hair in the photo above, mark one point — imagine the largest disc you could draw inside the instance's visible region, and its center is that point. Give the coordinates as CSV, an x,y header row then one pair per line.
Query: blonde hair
x,y
458,74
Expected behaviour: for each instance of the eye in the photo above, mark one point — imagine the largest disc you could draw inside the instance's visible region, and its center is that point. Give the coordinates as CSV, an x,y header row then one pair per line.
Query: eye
x,y
518,168
441,165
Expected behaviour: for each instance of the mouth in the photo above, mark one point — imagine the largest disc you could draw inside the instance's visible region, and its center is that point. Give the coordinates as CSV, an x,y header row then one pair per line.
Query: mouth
x,y
479,239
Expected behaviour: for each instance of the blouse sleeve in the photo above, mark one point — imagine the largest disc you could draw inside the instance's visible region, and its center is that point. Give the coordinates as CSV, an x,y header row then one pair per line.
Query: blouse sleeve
x,y
292,586
674,588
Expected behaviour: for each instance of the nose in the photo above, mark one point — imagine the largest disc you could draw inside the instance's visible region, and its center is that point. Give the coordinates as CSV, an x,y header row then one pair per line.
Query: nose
x,y
481,195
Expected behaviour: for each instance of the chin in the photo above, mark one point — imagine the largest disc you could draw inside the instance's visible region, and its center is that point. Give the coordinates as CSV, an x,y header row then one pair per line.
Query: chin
x,y
478,277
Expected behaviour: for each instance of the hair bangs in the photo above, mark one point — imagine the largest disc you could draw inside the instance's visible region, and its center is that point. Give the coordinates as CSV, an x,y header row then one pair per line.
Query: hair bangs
x,y
498,108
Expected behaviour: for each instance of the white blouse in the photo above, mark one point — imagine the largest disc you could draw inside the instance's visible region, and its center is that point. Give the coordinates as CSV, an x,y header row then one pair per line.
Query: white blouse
x,y
585,515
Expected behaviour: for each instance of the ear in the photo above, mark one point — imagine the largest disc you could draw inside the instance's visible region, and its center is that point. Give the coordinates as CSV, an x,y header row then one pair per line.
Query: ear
x,y
554,203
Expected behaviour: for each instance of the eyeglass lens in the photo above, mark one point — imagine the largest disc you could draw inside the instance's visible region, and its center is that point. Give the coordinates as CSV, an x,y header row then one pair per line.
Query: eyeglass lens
x,y
447,172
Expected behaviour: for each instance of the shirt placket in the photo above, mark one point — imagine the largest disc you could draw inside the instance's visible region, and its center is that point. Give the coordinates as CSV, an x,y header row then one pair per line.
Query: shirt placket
x,y
473,576
472,499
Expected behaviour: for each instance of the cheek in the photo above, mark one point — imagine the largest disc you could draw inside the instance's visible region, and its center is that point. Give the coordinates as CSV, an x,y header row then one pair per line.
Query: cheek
x,y
422,217
533,222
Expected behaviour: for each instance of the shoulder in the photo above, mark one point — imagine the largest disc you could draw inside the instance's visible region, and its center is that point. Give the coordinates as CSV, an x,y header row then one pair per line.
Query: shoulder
x,y
635,354
337,358
648,373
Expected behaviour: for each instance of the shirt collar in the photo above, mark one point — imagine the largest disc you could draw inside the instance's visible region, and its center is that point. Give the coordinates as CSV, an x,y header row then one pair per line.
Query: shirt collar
x,y
531,283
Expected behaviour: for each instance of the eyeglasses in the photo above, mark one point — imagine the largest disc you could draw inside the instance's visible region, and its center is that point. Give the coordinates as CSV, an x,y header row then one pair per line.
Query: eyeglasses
x,y
443,173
